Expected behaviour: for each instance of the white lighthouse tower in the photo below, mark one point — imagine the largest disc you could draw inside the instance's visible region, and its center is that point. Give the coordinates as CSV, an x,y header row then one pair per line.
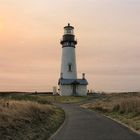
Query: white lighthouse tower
x,y
68,82
68,66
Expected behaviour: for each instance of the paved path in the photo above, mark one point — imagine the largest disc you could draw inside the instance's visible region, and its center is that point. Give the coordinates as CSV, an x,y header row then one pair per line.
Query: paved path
x,y
81,124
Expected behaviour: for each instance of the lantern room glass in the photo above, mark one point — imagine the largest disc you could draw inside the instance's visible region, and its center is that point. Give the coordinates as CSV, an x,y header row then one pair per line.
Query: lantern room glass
x,y
69,31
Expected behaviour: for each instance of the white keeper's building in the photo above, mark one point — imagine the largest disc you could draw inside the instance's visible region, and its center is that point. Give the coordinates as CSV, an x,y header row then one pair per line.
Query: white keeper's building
x,y
68,83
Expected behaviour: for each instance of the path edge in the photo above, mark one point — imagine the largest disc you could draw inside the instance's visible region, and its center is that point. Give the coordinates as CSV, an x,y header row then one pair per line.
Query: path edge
x,y
61,126
118,121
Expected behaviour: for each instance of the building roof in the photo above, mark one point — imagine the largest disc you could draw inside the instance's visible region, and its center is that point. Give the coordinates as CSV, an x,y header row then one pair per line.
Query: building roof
x,y
73,82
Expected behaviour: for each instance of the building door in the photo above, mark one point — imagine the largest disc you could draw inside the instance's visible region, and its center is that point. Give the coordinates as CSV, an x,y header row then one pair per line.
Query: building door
x,y
74,89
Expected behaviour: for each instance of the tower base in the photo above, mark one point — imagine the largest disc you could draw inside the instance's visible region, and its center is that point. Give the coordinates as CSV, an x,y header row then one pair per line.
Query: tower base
x,y
73,87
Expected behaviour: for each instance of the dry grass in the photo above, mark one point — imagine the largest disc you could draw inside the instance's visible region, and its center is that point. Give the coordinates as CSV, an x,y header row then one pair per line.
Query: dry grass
x,y
125,107
64,99
128,105
44,99
28,120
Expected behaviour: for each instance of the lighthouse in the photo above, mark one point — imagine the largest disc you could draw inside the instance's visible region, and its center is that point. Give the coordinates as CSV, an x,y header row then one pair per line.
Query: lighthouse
x,y
68,82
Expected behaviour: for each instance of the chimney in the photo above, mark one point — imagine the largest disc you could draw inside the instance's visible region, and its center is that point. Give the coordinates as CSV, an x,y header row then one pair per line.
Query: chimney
x,y
83,75
61,76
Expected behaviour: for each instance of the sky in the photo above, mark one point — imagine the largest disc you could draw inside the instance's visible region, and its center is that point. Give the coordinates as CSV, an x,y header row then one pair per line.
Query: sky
x,y
108,50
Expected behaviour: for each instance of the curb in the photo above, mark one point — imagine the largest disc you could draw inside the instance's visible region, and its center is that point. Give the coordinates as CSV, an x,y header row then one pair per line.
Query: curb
x,y
54,134
118,121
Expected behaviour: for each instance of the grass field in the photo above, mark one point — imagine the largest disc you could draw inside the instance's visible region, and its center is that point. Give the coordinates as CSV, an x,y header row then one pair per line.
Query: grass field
x,y
23,117
43,99
64,99
124,107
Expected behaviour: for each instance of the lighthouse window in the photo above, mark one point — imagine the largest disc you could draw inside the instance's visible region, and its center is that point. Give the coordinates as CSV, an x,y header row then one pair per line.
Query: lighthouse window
x,y
68,31
72,44
69,67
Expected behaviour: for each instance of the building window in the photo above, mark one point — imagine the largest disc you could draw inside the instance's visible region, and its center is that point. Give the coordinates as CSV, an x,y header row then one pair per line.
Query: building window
x,y
69,67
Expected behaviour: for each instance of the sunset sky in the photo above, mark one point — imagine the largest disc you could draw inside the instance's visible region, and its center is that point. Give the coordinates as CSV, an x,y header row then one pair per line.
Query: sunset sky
x,y
108,50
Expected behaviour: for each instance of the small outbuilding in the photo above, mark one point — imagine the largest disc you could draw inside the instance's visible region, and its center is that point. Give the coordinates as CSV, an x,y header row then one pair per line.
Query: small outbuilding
x,y
77,87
